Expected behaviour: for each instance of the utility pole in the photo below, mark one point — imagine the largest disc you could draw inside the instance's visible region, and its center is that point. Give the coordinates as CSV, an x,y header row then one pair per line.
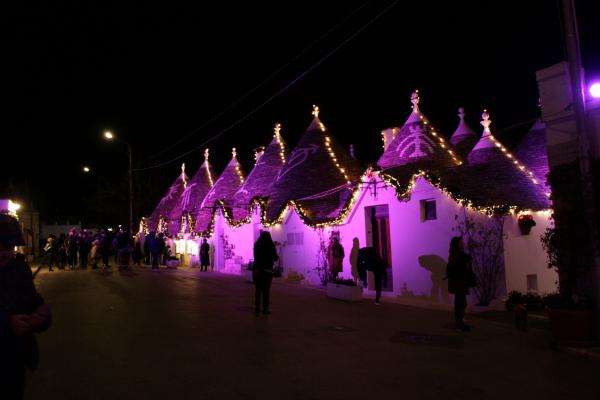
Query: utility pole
x,y
578,92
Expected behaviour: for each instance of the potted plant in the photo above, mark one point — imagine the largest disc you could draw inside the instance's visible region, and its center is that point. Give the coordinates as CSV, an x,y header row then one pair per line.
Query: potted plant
x,y
344,289
571,319
525,222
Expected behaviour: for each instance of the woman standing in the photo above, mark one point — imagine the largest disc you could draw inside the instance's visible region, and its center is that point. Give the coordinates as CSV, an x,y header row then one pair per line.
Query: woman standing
x,y
22,313
460,275
335,257
265,255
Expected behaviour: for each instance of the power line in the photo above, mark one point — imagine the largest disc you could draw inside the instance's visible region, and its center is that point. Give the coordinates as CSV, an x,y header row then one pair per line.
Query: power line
x,y
286,87
261,84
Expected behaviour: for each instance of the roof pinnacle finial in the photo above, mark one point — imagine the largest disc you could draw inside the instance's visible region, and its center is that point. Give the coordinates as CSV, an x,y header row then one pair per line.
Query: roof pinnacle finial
x,y
234,152
461,113
183,169
277,129
414,99
206,155
486,120
315,111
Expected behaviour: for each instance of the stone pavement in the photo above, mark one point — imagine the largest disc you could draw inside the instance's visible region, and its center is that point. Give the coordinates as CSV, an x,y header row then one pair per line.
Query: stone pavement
x,y
190,335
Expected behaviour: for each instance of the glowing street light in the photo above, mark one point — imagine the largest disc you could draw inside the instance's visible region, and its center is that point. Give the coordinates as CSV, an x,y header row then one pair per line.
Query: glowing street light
x,y
86,169
108,135
595,90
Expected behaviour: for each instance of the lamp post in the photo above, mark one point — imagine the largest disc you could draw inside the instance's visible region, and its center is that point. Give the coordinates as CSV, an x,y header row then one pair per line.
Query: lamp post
x,y
110,136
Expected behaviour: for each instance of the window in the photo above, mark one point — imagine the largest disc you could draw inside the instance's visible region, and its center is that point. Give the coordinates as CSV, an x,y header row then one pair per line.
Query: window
x,y
290,239
428,210
295,239
532,283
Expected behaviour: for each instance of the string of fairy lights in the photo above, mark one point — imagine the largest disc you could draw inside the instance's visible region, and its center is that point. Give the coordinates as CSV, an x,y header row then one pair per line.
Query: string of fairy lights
x,y
327,141
280,142
403,189
238,170
487,131
207,166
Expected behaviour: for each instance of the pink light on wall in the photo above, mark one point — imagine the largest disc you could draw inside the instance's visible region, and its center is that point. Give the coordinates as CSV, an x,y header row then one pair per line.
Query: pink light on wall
x,y
595,90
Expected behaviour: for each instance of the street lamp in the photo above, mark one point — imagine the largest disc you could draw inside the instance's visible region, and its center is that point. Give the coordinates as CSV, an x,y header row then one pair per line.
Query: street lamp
x,y
108,135
86,169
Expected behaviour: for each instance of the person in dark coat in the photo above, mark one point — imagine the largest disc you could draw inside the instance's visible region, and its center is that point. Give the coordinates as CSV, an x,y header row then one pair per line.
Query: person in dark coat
x,y
72,244
62,251
85,246
459,275
204,255
156,245
265,255
146,251
22,313
370,260
137,251
105,249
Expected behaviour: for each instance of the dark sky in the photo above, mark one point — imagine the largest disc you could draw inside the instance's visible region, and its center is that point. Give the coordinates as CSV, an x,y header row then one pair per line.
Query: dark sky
x,y
153,74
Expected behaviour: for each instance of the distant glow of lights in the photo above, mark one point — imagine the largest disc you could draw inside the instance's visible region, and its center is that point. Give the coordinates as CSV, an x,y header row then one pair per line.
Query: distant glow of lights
x,y
108,135
13,207
595,90
86,169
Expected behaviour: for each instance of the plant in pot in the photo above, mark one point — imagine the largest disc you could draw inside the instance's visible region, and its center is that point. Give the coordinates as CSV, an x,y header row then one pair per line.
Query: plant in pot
x,y
525,222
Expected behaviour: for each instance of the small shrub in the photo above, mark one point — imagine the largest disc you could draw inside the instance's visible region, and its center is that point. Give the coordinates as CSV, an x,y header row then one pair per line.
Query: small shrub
x,y
514,297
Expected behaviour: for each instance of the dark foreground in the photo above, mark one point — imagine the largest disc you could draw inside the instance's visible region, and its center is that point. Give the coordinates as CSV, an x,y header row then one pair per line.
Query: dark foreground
x,y
192,335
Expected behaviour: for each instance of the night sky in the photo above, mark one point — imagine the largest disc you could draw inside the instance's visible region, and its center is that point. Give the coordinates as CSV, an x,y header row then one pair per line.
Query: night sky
x,y
155,74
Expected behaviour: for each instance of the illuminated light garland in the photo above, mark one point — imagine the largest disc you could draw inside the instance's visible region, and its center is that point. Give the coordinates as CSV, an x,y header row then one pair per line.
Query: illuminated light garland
x,y
327,142
403,193
486,128
207,165
144,226
258,153
183,225
280,142
237,165
163,225
183,175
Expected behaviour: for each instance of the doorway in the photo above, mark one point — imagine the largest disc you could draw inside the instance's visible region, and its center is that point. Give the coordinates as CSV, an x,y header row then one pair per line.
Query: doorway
x,y
377,219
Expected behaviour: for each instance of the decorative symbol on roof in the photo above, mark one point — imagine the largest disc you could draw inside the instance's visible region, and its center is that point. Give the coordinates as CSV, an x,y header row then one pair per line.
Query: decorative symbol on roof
x,y
278,128
234,152
206,155
169,195
461,113
183,175
315,111
415,144
185,196
298,156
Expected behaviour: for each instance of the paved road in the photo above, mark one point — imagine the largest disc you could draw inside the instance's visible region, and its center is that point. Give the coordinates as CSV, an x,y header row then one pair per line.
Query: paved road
x,y
192,335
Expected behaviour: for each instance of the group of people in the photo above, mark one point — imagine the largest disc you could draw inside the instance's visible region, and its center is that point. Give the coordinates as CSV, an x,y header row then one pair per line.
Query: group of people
x,y
81,248
459,272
